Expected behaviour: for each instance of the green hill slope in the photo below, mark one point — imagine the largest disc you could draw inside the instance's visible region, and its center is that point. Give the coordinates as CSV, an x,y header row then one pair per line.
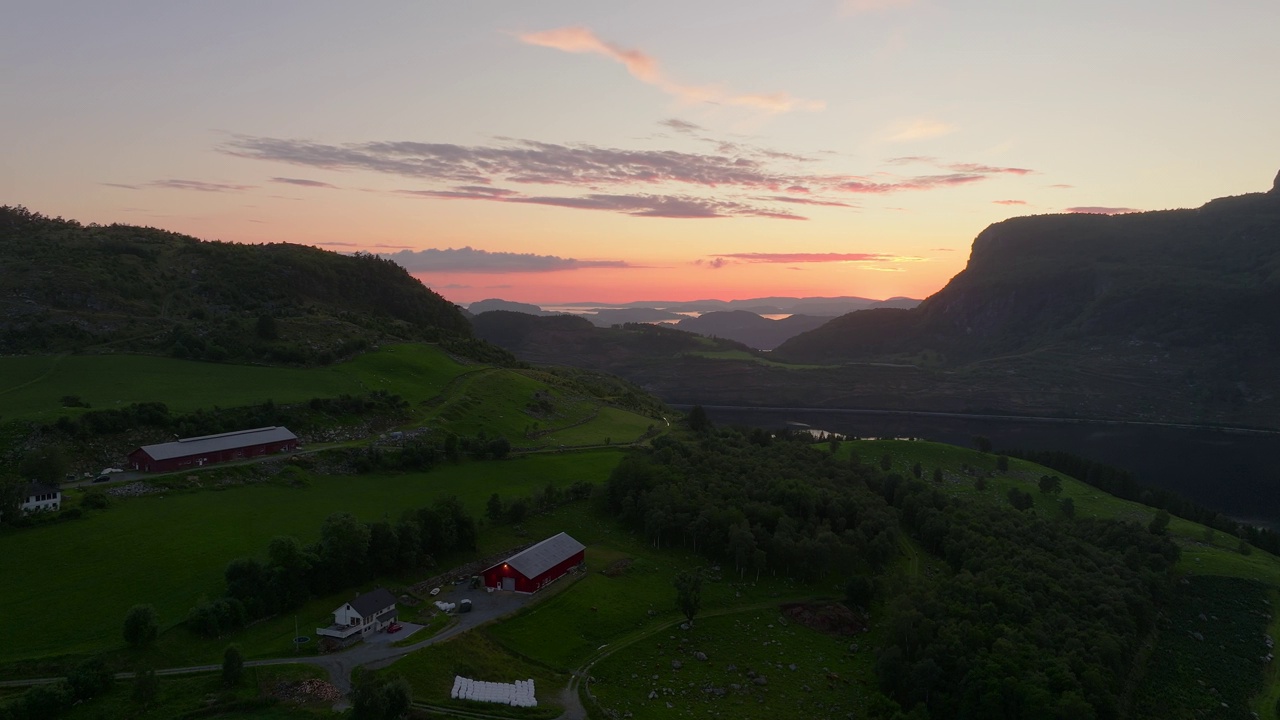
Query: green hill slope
x,y
67,286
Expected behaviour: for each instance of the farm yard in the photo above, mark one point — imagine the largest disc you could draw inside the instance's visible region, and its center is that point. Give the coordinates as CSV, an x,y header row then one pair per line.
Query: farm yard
x,y
170,548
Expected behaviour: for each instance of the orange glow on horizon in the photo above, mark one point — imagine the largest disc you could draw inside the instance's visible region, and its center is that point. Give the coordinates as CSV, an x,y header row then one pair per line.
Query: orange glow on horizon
x,y
691,282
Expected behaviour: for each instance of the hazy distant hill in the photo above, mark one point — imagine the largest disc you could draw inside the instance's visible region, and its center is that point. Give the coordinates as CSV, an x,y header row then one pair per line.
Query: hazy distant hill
x,y
1169,316
67,286
483,306
605,317
573,340
749,328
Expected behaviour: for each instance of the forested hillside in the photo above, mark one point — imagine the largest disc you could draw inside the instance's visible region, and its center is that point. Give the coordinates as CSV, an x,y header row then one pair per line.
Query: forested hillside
x,y
67,286
1033,617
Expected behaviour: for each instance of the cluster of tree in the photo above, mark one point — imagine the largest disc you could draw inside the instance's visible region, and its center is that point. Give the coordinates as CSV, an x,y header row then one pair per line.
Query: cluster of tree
x,y
514,512
756,503
349,552
426,451
1122,484
298,416
87,680
1039,618
380,697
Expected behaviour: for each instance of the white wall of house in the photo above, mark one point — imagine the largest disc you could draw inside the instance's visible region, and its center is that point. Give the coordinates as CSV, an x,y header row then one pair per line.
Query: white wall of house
x,y
42,502
347,615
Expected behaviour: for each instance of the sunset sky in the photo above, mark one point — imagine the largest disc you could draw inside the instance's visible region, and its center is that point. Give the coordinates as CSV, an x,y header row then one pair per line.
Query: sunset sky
x,y
554,152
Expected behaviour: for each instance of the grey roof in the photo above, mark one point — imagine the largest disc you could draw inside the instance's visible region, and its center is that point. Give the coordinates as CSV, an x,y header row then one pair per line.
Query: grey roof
x,y
373,601
218,443
540,558
35,488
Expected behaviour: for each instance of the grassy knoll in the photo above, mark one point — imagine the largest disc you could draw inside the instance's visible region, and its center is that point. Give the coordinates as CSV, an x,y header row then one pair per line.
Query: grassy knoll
x,y
1203,552
495,401
431,672
32,386
643,681
188,693
170,549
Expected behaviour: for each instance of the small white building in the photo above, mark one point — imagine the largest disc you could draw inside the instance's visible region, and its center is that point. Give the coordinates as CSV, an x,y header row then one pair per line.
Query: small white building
x,y
367,613
40,498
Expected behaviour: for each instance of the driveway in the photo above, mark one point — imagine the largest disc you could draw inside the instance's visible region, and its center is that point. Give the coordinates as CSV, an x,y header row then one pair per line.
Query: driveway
x,y
379,652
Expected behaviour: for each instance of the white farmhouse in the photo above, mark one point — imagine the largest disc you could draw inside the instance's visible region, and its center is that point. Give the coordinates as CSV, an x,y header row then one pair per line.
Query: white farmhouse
x,y
367,613
39,498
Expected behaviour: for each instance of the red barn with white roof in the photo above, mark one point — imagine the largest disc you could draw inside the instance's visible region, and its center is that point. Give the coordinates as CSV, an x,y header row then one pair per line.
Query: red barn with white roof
x,y
536,567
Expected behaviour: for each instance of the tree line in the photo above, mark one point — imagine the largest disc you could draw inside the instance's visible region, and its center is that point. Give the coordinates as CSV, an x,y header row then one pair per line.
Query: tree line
x,y
348,552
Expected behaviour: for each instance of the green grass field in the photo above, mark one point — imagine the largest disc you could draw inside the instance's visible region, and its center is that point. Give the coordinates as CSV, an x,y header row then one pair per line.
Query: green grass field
x,y
170,549
1203,553
31,388
431,671
187,693
566,629
824,682
609,425
744,356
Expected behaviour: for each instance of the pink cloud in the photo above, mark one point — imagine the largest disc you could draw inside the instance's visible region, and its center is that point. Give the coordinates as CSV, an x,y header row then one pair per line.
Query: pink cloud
x,y
1099,210
987,169
923,182
645,68
1009,202
804,201
301,182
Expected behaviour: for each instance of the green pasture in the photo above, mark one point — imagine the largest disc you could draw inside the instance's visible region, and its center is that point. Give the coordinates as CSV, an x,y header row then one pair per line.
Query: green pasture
x,y
170,548
1204,552
825,682
608,426
181,694
565,630
31,387
744,356
430,672
496,401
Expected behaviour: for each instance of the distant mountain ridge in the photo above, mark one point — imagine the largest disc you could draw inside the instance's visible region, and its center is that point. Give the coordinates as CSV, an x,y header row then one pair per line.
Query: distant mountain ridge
x,y
1180,279
829,306
738,320
749,328
1166,316
66,286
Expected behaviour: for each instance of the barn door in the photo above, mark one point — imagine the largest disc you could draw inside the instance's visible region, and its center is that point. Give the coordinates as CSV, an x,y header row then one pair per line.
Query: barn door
x,y
508,583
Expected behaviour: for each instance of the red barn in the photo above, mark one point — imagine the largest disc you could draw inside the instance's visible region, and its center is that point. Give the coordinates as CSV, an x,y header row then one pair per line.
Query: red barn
x,y
209,449
534,568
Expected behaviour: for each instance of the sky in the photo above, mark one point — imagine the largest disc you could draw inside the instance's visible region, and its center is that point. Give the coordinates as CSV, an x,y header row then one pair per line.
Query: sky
x,y
559,152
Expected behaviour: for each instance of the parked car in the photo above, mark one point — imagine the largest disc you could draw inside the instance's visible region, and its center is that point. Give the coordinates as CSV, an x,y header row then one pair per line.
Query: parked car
x,y
102,478
393,628
435,592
